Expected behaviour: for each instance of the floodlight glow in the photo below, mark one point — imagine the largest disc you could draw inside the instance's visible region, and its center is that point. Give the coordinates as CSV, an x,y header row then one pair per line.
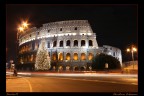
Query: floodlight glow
x,y
89,33
128,50
20,29
25,24
134,49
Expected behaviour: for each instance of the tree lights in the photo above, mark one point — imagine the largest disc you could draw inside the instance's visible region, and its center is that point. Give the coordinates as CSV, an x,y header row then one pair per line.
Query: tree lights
x,y
42,57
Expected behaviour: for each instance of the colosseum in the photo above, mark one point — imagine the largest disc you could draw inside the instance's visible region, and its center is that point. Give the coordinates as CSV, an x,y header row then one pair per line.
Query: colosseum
x,y
71,45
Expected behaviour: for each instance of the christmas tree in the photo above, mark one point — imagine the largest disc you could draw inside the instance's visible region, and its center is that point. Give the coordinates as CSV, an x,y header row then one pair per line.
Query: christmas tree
x,y
42,57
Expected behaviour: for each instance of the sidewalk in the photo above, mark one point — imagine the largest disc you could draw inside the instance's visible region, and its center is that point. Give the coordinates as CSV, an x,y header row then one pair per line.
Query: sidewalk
x,y
17,84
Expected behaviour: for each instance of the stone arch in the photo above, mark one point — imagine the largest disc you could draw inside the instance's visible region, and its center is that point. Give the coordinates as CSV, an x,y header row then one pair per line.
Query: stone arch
x,y
83,56
34,58
75,43
31,58
82,42
28,58
61,43
54,43
90,68
68,43
60,56
82,68
68,56
90,56
90,43
54,56
54,68
75,68
67,68
48,44
75,56
26,48
21,59
60,68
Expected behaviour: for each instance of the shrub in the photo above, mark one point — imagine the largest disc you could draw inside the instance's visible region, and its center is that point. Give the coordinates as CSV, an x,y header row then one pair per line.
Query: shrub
x,y
100,60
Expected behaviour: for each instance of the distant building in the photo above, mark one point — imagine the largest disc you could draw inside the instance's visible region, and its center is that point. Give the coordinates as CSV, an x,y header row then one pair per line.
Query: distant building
x,y
71,45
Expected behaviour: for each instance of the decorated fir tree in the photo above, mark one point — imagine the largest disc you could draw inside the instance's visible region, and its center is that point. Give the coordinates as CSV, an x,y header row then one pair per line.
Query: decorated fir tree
x,y
42,57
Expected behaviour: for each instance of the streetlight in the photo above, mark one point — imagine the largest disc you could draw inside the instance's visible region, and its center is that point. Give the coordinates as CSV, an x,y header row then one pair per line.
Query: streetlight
x,y
132,49
25,24
22,27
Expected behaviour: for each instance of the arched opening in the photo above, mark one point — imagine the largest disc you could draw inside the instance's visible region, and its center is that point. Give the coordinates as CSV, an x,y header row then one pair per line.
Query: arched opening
x,y
60,57
48,31
97,54
38,45
61,44
21,59
60,29
68,56
54,68
37,33
67,68
75,42
75,68
33,44
90,57
25,59
90,68
82,42
75,57
31,59
90,43
75,28
82,68
28,57
54,44
54,56
48,45
60,68
34,57
68,43
26,47
83,56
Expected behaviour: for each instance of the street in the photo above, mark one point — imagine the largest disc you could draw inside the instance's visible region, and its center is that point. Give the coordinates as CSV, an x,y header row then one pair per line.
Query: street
x,y
72,83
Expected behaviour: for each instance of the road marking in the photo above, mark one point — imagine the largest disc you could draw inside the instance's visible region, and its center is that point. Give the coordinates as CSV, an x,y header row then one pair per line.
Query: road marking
x,y
98,81
134,83
28,84
24,76
19,76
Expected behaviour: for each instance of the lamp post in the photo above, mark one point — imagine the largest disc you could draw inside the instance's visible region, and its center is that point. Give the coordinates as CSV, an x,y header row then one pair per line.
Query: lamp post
x,y
21,28
132,50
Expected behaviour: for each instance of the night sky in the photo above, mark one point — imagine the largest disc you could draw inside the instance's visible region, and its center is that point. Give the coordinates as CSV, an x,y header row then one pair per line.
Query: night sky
x,y
114,25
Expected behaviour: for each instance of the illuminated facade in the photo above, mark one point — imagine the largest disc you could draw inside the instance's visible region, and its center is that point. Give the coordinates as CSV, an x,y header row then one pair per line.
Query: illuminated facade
x,y
71,45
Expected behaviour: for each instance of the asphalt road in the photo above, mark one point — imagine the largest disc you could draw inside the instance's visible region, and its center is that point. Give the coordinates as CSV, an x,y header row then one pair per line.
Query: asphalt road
x,y
71,84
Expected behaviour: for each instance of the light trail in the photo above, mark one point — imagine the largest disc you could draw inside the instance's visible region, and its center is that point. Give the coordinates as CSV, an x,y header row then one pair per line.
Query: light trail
x,y
80,75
